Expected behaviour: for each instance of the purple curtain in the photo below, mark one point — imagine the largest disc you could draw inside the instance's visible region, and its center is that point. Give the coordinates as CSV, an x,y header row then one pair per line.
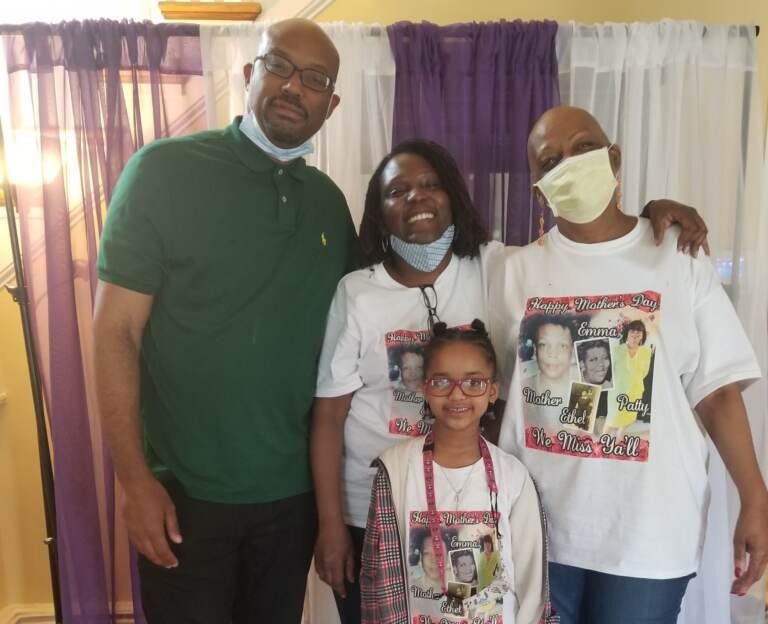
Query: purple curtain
x,y
83,96
477,89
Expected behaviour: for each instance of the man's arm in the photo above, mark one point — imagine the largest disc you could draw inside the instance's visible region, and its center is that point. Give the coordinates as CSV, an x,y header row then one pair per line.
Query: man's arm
x,y
334,557
724,417
119,319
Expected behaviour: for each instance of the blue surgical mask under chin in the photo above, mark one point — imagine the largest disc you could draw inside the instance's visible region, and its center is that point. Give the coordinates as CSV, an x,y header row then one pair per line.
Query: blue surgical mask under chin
x,y
250,127
427,257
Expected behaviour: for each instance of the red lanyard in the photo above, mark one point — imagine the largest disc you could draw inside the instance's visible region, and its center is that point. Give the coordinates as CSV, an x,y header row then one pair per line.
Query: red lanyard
x,y
433,515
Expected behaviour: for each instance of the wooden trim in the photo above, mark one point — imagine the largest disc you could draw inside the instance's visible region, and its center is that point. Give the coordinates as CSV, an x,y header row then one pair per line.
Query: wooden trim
x,y
42,613
223,11
27,614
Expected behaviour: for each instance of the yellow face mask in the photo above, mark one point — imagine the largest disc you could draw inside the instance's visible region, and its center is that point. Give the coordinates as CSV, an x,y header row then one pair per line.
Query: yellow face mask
x,y
580,187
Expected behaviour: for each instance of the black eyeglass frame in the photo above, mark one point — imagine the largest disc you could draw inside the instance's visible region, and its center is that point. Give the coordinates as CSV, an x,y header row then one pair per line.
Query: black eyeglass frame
x,y
330,84
432,316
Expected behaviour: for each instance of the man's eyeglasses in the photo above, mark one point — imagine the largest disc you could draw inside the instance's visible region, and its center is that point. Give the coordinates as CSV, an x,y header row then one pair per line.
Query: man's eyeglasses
x,y
310,78
443,386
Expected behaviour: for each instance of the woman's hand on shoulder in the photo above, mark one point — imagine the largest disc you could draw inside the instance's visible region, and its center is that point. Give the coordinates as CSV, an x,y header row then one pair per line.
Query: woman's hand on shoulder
x,y
665,212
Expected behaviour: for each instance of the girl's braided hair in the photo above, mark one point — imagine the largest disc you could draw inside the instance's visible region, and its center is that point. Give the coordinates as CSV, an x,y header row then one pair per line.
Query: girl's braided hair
x,y
476,335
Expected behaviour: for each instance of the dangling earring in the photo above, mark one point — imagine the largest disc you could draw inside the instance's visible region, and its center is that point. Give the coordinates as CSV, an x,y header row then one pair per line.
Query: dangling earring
x,y
618,194
540,240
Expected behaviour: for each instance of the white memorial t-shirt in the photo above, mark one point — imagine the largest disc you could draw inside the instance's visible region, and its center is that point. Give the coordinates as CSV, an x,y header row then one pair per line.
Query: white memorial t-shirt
x,y
376,331
609,346
480,570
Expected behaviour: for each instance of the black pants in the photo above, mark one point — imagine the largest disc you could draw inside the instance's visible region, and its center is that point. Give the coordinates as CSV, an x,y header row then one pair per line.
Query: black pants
x,y
237,564
349,607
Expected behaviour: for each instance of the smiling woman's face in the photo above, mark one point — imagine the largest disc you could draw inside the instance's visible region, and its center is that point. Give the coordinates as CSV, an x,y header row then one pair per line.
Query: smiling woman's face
x,y
553,351
465,568
634,338
415,206
596,364
412,370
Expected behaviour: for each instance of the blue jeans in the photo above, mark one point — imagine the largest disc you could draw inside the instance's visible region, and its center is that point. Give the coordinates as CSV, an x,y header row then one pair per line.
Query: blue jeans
x,y
582,596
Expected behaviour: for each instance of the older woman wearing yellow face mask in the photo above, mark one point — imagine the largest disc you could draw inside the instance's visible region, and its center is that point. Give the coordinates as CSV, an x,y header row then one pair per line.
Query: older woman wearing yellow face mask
x,y
615,557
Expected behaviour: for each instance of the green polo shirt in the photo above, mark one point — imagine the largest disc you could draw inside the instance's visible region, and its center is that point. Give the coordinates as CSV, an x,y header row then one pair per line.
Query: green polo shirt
x,y
242,256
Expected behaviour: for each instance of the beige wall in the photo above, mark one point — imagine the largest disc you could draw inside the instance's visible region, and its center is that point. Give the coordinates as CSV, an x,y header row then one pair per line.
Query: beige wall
x,y
441,12
24,573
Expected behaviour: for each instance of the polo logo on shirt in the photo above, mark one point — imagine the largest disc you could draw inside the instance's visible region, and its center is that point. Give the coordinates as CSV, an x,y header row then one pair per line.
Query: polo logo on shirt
x,y
323,240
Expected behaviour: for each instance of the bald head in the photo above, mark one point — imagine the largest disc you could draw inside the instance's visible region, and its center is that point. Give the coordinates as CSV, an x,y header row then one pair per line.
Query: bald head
x,y
299,31
584,197
282,93
561,132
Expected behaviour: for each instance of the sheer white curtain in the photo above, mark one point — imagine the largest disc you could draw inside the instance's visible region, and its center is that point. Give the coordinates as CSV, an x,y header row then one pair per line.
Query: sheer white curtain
x,y
682,101
358,134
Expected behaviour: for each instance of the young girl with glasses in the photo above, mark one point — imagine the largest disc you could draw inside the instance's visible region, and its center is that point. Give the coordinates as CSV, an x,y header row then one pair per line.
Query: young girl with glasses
x,y
439,499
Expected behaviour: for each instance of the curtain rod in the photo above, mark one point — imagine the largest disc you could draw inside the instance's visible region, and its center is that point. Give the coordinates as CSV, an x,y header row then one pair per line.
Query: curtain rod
x,y
13,29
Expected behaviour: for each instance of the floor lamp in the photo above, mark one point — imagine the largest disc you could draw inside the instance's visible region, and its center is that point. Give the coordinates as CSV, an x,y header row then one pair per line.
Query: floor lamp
x,y
19,294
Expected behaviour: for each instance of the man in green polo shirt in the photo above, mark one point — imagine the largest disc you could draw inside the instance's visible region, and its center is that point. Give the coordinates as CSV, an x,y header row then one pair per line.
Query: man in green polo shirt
x,y
219,257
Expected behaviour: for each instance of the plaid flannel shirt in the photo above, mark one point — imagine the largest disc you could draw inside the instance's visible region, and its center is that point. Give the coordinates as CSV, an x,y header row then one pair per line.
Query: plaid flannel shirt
x,y
382,575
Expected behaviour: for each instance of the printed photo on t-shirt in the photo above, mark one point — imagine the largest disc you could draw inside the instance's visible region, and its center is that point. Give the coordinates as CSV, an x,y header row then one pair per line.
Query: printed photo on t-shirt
x,y
474,576
582,407
406,375
461,591
586,374
595,363
463,566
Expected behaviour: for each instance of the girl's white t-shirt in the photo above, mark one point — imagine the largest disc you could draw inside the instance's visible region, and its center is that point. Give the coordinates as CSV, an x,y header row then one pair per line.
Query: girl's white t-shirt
x,y
375,332
489,576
